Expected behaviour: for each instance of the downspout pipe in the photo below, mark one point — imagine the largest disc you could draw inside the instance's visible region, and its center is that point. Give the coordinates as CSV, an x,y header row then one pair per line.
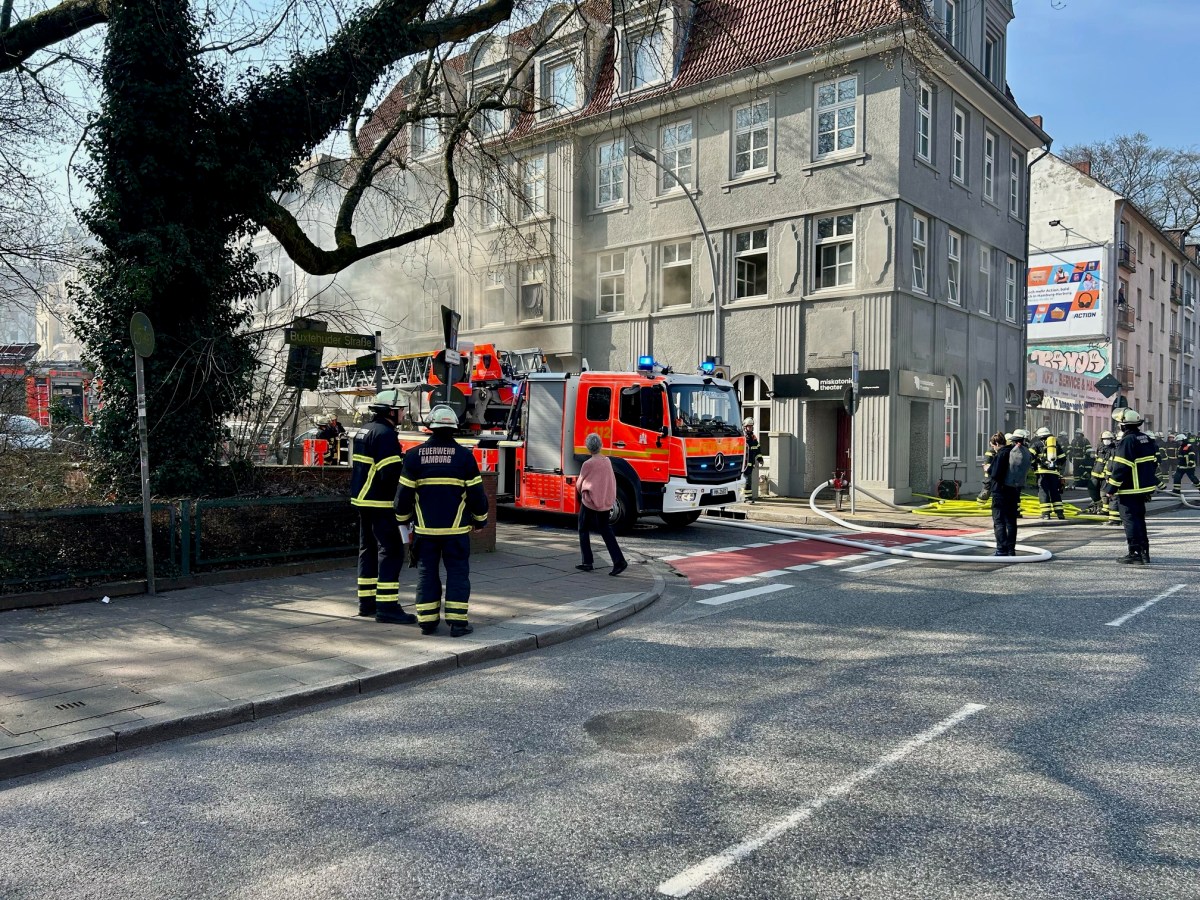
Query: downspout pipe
x,y
1025,320
1114,287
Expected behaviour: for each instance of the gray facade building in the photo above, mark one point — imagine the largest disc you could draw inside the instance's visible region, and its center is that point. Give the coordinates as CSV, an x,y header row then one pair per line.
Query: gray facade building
x,y
862,179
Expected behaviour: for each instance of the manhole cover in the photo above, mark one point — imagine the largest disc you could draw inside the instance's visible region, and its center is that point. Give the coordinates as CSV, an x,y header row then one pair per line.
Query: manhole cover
x,y
73,706
640,730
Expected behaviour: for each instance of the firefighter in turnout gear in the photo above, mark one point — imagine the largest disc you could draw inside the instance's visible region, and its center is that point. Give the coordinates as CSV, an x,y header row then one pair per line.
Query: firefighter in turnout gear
x,y
1133,481
373,479
1099,474
1047,467
441,494
1162,474
1185,462
754,459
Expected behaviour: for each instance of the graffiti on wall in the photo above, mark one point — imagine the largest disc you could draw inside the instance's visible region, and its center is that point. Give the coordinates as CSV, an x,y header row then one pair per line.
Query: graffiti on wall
x,y
1068,373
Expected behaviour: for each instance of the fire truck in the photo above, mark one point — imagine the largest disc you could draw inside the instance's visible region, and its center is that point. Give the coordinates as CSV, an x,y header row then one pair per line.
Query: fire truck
x,y
675,440
31,387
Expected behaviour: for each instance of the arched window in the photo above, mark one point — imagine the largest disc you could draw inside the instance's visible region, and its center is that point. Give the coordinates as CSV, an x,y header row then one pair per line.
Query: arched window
x,y
983,418
1011,412
953,429
756,405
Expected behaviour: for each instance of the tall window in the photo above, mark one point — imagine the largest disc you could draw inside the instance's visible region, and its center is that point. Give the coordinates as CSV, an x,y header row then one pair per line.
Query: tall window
x,y
756,405
610,173
559,88
954,268
489,122
611,275
533,187
959,170
491,200
751,138
991,59
951,21
675,152
533,291
837,116
424,137
985,280
989,165
920,254
750,256
677,274
983,418
834,256
953,409
493,299
647,58
925,121
1014,184
1010,289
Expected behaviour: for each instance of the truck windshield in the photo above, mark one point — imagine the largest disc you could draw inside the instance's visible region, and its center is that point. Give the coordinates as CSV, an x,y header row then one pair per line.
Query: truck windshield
x,y
705,409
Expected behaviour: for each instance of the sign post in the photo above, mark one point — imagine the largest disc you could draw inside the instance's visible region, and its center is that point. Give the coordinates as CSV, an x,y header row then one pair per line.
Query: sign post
x,y
853,408
141,333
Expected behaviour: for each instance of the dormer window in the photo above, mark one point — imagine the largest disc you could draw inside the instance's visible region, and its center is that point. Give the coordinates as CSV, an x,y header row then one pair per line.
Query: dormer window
x,y
647,58
950,22
489,122
425,137
560,87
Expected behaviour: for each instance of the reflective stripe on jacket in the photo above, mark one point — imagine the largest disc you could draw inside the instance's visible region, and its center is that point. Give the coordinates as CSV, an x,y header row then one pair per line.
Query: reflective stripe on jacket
x,y
1186,457
1043,449
440,486
1100,464
376,466
1134,468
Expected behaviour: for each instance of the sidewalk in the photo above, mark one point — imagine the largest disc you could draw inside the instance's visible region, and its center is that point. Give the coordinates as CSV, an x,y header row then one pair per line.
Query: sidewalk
x,y
94,678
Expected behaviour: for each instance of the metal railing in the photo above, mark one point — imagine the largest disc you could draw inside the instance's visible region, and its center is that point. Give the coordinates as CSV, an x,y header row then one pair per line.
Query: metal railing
x,y
1126,317
1124,374
1126,256
1176,293
1174,390
1175,341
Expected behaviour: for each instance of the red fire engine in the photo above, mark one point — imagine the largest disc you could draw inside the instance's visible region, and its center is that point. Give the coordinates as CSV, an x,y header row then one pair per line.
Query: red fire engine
x,y
675,440
44,383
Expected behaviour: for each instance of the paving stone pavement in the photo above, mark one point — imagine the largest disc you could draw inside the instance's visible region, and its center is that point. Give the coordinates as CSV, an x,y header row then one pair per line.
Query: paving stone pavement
x,y
87,679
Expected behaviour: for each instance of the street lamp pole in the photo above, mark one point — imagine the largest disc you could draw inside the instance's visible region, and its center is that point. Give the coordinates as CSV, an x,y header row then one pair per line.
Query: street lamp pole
x,y
645,154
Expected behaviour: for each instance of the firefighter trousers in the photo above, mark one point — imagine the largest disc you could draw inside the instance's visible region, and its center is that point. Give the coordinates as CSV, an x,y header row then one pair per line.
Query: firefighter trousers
x,y
380,556
454,552
1133,518
1050,499
1190,473
1093,487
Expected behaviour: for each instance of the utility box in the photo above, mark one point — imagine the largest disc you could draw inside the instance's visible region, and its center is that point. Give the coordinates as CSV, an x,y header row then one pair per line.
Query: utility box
x,y
785,477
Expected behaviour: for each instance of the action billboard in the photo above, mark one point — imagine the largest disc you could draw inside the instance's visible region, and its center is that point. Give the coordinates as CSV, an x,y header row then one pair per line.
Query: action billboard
x,y
1066,297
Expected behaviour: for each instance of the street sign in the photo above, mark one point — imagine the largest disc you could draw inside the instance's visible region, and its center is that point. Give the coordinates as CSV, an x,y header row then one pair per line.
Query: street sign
x,y
450,320
1120,402
850,400
1108,385
342,340
141,332
453,357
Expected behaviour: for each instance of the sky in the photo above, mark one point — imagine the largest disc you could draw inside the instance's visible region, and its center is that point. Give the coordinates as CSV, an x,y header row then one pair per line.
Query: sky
x,y
1096,68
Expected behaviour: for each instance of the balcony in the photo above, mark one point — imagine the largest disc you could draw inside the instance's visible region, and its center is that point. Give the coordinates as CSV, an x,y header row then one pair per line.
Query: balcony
x,y
1126,317
1174,390
1126,257
1124,374
1189,300
1176,293
1176,342
1189,347
1188,393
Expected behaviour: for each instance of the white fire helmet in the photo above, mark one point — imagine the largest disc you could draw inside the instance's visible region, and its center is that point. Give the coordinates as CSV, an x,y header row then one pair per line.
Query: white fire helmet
x,y
442,416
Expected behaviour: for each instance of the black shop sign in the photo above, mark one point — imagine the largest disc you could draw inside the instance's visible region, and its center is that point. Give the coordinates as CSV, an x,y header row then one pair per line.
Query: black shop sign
x,y
830,384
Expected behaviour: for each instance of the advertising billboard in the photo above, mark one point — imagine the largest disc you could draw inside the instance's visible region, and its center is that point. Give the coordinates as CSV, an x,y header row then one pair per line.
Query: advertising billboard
x,y
1066,297
1068,373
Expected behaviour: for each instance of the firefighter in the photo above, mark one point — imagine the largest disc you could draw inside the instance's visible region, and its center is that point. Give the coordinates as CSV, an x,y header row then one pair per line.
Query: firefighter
x,y
1162,466
1185,462
440,486
1134,464
1098,474
754,458
331,432
1047,466
373,479
1110,503
1081,454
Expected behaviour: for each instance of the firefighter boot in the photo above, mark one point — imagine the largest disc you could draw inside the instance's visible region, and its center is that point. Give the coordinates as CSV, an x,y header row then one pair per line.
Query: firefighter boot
x,y
1133,557
459,629
366,608
390,613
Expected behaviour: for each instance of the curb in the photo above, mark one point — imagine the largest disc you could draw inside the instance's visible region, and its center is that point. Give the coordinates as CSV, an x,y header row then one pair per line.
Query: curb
x,y
32,758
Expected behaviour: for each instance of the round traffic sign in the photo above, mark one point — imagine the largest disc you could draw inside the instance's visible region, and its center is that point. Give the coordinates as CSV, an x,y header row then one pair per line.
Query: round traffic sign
x,y
141,332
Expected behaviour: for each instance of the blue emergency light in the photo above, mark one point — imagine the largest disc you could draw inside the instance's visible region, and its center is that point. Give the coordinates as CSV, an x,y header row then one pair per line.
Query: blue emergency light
x,y
645,364
708,367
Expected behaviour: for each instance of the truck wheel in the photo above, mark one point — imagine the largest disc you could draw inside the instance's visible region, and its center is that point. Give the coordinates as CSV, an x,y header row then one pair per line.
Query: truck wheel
x,y
624,511
677,520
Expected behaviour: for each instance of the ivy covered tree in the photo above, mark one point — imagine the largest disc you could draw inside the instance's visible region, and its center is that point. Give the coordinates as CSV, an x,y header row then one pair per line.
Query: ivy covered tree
x,y
184,169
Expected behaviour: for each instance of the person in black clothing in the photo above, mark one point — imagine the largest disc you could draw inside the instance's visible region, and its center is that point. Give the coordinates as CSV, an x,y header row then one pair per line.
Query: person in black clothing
x,y
1133,479
1006,497
754,458
332,433
441,488
373,479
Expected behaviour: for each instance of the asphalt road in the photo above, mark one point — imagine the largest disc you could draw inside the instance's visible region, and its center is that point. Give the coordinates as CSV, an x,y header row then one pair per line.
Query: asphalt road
x,y
917,730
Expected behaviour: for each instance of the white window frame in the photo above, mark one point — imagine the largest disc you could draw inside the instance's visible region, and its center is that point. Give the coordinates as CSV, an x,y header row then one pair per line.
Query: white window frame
x,y
1015,164
672,158
552,103
1011,295
493,282
951,447
951,24
633,43
610,173
610,283
426,137
754,130
991,66
525,273
983,419
990,142
533,190
756,402
488,122
671,256
985,272
840,239
958,162
491,198
920,254
754,249
835,108
954,285
924,121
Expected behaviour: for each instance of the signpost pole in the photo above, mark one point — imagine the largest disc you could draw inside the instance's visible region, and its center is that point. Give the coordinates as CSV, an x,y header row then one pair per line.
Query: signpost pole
x,y
141,332
378,361
853,409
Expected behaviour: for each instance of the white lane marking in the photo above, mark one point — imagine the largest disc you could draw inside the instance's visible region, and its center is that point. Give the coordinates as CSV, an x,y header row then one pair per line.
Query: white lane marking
x,y
748,546
670,558
853,557
690,879
724,549
829,562
710,587
1145,606
742,595
803,567
867,567
956,548
784,541
741,579
770,573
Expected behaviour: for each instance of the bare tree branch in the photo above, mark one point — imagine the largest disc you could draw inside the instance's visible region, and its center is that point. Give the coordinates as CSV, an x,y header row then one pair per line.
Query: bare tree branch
x,y
45,29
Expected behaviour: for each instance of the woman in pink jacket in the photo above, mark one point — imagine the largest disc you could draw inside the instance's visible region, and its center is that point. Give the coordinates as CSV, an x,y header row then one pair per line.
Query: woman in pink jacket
x,y
597,487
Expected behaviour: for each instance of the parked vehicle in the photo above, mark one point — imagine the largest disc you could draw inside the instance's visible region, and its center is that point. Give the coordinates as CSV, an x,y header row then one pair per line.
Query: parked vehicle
x,y
22,433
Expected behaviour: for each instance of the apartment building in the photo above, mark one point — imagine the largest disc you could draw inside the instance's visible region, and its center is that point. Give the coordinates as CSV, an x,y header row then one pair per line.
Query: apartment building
x,y
1142,329
859,183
